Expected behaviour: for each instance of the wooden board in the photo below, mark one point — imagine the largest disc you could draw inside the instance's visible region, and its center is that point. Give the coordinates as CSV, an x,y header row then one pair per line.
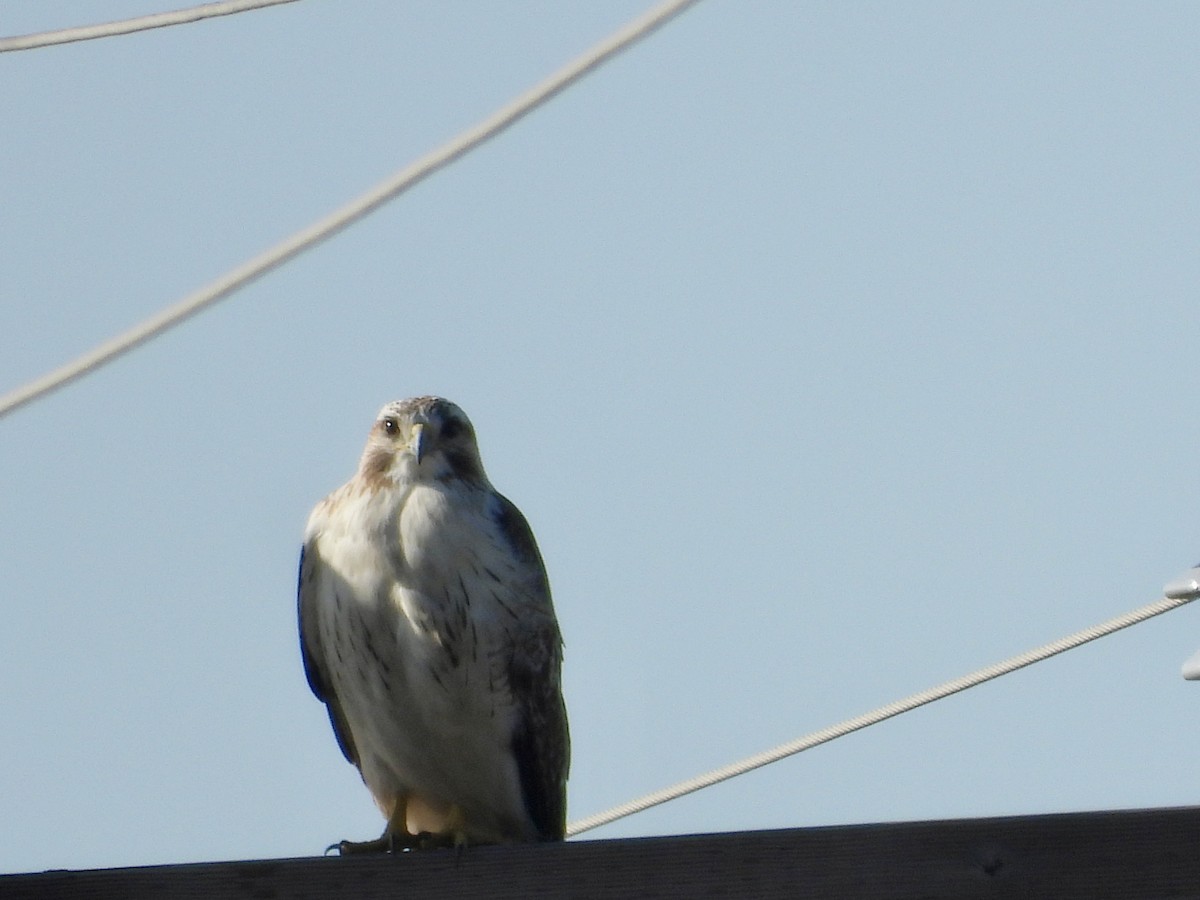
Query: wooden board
x,y
1075,856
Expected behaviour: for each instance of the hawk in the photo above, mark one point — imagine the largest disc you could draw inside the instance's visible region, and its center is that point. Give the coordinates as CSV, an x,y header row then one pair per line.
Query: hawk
x,y
427,629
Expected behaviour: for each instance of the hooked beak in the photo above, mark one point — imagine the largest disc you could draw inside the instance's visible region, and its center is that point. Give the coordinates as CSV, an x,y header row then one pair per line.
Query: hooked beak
x,y
417,443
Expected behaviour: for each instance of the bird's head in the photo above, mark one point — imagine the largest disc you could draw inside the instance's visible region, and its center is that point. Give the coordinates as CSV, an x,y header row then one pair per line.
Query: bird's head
x,y
422,438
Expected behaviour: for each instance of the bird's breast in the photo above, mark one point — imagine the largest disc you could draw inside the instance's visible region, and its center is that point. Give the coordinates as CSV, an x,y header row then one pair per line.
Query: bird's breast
x,y
435,529
451,576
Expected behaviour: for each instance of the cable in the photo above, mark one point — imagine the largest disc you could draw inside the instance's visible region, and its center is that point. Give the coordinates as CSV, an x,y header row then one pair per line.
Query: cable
x,y
128,26
351,212
884,712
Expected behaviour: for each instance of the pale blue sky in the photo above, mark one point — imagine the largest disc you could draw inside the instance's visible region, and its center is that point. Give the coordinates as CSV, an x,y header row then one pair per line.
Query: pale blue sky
x,y
832,350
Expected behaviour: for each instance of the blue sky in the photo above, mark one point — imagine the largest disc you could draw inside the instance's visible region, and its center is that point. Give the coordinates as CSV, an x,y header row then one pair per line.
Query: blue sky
x,y
832,351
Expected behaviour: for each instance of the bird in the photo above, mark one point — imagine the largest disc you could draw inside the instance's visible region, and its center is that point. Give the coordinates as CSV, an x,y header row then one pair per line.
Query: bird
x,y
428,631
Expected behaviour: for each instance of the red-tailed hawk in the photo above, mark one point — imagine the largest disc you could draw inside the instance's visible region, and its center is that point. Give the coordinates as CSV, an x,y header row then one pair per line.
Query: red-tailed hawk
x,y
427,629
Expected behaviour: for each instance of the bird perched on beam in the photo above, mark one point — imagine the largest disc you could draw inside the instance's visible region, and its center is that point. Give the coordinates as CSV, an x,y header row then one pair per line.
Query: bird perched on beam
x,y
427,629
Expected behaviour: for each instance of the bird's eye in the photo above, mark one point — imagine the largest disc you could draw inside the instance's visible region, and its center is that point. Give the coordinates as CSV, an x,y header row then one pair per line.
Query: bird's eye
x,y
451,428
391,426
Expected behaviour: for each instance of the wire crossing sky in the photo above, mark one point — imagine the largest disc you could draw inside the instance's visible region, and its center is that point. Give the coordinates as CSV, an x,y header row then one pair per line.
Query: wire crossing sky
x,y
130,26
882,714
347,214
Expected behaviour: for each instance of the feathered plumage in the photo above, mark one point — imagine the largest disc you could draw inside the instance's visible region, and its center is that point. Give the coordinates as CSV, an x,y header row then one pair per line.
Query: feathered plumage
x,y
427,629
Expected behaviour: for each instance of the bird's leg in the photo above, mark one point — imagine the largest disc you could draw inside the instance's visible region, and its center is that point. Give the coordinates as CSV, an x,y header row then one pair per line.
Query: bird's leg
x,y
395,836
457,828
381,844
454,834
458,825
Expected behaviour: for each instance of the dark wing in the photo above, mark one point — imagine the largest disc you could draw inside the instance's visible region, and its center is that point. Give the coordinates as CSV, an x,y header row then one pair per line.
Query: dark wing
x,y
541,742
308,595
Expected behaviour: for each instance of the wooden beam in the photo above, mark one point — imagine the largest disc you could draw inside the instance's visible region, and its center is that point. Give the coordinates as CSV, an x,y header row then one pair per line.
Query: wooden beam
x,y
1072,856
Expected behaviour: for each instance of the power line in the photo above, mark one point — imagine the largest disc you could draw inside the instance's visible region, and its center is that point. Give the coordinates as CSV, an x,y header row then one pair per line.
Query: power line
x,y
128,26
351,212
884,712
